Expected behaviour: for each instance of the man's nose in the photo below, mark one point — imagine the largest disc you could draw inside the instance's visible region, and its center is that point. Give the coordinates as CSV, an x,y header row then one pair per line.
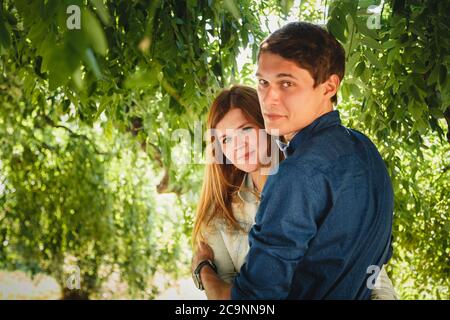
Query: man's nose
x,y
271,97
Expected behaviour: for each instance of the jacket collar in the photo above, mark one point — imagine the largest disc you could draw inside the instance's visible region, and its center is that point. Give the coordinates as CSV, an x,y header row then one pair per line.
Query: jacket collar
x,y
327,120
247,191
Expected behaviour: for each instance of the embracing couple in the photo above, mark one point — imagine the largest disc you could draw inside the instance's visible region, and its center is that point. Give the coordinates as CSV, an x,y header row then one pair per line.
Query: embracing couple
x,y
316,224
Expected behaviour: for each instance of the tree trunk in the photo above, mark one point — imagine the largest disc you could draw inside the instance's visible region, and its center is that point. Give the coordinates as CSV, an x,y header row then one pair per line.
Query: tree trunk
x,y
447,118
75,294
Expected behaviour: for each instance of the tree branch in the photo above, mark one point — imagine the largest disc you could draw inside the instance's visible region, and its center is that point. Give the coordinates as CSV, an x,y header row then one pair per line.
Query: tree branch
x,y
49,121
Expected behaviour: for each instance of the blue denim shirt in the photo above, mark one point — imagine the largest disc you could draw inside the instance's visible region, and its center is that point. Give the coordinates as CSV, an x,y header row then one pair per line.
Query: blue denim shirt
x,y
325,217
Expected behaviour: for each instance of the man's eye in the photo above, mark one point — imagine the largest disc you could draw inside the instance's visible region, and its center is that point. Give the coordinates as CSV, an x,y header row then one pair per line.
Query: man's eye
x,y
262,82
286,84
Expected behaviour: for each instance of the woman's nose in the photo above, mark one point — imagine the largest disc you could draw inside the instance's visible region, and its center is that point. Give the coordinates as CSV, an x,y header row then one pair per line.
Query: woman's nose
x,y
241,142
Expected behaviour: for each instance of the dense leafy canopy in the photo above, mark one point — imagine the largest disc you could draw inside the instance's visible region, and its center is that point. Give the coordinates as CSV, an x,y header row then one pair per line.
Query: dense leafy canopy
x,y
90,117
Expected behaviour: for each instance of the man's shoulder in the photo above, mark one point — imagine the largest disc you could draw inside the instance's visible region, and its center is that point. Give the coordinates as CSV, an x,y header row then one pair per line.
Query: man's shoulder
x,y
291,173
338,134
332,145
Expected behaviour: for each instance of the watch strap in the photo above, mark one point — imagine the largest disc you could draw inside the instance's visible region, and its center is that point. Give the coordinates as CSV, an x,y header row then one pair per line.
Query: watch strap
x,y
198,269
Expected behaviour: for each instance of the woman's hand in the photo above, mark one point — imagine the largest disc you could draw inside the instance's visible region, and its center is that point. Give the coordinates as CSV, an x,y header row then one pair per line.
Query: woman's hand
x,y
215,288
203,252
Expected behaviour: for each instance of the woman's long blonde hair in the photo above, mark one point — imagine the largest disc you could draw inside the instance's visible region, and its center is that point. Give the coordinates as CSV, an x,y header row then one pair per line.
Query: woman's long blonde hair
x,y
222,179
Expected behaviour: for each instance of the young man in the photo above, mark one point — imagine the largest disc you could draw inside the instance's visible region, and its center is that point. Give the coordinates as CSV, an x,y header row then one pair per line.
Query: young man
x,y
325,219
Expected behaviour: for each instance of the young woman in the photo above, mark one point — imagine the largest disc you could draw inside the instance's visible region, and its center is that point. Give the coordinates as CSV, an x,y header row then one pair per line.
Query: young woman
x,y
242,157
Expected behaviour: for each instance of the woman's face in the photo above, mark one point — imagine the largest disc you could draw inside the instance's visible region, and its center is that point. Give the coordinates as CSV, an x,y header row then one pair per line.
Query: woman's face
x,y
239,140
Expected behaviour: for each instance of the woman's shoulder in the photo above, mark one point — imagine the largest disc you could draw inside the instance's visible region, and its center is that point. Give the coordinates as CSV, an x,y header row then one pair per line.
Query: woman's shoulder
x,y
244,216
245,211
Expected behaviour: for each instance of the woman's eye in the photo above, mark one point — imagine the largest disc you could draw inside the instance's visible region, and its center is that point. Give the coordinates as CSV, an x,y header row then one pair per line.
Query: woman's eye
x,y
247,128
226,140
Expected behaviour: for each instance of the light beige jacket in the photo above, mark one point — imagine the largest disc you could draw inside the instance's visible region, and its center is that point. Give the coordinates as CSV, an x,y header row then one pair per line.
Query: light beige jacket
x,y
231,247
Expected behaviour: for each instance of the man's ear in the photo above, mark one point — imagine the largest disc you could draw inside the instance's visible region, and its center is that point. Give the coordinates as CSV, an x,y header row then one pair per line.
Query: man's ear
x,y
331,86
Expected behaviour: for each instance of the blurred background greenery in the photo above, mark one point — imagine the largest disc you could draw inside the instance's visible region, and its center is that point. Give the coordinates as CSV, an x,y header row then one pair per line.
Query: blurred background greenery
x,y
93,175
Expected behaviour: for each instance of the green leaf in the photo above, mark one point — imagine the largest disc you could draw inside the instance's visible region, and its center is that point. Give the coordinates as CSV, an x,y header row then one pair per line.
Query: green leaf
x,y
392,56
142,79
355,90
389,44
231,6
339,13
5,38
93,31
371,43
337,29
91,61
414,93
352,61
442,74
60,66
373,59
360,67
102,11
436,113
433,77
366,75
362,28
77,79
398,29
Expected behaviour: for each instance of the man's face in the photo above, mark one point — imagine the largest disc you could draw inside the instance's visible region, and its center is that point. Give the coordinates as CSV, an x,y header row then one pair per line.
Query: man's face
x,y
289,101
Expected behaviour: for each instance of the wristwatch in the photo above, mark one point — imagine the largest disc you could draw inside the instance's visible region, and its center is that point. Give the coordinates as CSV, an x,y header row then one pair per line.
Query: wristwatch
x,y
196,273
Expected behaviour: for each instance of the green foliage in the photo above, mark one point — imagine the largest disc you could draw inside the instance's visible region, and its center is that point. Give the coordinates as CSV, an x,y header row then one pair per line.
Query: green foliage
x,y
62,196
396,90
420,175
406,62
89,120
71,102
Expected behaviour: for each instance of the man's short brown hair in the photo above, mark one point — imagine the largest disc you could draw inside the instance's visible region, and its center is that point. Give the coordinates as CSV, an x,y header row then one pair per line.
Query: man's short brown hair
x,y
311,47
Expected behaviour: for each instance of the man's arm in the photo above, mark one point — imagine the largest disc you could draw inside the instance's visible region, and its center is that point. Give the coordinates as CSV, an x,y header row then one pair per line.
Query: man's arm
x,y
292,203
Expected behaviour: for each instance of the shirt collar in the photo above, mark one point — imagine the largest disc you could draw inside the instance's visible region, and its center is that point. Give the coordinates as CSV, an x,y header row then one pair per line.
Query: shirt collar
x,y
283,146
246,188
327,120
